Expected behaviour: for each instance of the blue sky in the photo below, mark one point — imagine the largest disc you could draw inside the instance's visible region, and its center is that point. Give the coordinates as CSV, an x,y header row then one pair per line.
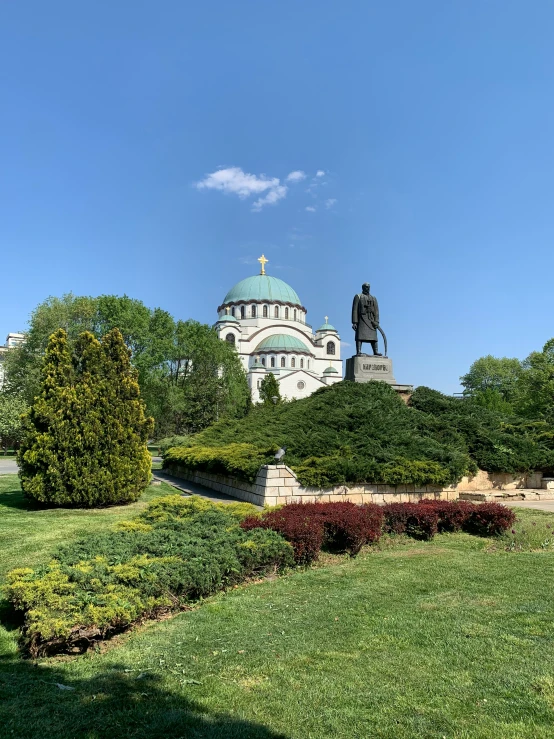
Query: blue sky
x,y
431,122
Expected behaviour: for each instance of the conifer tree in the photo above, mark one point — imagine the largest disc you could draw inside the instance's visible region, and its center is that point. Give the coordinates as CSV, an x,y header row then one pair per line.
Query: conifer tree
x,y
84,438
269,389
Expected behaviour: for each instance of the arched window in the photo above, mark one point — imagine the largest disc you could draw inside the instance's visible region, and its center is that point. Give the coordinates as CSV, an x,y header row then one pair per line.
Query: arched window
x,y
286,312
308,364
265,311
295,314
276,311
282,361
253,311
233,312
273,361
293,362
302,363
330,347
263,361
230,338
242,311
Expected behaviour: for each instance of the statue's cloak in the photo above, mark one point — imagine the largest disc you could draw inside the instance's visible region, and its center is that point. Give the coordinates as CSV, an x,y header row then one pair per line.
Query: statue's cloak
x,y
365,313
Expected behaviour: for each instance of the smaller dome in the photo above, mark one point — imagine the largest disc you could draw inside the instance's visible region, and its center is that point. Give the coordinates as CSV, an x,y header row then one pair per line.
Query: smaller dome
x,y
282,343
227,318
257,365
330,371
326,327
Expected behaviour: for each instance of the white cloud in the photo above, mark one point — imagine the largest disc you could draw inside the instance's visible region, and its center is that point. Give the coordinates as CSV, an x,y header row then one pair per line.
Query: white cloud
x,y
345,343
320,173
296,176
278,192
311,209
330,202
233,181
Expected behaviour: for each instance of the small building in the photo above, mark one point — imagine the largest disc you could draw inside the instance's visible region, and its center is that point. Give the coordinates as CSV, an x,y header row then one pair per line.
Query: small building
x,y
13,340
265,320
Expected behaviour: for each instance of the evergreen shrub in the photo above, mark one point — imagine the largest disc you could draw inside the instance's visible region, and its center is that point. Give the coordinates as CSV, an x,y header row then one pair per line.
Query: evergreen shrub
x,y
363,432
84,438
169,441
240,460
103,583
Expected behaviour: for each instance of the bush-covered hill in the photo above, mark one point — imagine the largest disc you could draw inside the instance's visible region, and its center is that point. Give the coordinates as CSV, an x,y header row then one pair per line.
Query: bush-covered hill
x,y
353,432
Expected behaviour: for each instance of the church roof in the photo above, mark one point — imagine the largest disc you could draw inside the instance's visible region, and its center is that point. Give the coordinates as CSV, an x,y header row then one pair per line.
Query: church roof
x,y
330,371
227,319
327,327
282,343
262,288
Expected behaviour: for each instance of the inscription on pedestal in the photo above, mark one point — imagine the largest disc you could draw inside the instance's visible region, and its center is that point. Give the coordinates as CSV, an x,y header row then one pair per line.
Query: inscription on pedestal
x,y
364,369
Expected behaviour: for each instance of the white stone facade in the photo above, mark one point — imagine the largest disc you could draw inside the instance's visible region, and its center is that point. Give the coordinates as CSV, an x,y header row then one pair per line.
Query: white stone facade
x,y
264,319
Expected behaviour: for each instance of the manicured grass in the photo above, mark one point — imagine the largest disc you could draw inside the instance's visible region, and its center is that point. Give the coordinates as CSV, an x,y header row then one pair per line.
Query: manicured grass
x,y
441,639
29,533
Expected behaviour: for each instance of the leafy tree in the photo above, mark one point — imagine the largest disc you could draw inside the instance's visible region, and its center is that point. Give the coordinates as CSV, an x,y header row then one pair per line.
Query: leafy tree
x,y
11,409
494,382
84,438
187,375
537,384
269,389
202,381
23,364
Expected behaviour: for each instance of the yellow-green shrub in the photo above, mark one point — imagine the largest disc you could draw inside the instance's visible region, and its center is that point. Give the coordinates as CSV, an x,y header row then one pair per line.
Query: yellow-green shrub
x,y
240,460
180,549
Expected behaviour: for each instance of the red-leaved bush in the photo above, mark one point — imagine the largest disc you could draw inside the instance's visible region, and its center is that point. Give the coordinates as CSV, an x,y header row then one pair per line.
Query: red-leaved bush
x,y
418,521
342,526
489,519
453,516
346,527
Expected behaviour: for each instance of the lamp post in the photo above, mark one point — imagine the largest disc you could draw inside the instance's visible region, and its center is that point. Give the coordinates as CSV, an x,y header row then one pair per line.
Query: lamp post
x,y
274,398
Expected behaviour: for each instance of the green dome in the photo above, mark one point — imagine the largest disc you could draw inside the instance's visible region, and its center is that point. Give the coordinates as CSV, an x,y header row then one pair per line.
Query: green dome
x,y
282,343
327,327
227,319
262,288
330,371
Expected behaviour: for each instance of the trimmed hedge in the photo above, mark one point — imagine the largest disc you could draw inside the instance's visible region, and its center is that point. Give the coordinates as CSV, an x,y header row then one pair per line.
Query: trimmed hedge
x,y
346,527
424,519
240,460
168,557
343,527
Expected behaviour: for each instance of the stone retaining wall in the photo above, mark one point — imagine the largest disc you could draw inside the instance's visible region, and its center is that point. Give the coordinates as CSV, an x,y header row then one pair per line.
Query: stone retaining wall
x,y
277,484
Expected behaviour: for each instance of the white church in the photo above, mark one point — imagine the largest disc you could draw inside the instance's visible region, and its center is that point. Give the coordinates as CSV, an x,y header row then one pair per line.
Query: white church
x,y
265,320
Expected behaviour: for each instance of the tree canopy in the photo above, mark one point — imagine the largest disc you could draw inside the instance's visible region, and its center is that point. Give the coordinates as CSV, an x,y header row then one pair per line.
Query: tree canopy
x,y
510,386
188,377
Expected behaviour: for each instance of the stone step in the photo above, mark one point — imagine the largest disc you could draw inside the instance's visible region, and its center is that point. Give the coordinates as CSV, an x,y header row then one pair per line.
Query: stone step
x,y
504,496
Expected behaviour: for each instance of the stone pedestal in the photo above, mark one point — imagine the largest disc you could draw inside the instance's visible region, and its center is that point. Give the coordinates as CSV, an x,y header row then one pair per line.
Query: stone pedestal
x,y
363,368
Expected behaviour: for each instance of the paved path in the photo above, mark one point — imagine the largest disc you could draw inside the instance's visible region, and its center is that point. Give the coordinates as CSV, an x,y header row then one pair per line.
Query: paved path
x,y
8,466
193,488
538,505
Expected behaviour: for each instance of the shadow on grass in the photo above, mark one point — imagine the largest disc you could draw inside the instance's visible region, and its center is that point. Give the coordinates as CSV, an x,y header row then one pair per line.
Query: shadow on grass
x,y
16,499
113,703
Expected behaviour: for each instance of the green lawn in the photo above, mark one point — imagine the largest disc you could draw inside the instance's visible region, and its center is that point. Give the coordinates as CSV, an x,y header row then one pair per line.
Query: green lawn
x,y
452,638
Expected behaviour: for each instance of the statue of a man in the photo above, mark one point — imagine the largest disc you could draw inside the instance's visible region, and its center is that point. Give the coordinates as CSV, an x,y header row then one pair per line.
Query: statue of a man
x,y
365,319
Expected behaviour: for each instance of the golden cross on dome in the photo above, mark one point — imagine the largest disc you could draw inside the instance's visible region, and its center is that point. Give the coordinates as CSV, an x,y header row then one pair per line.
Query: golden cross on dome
x,y
263,261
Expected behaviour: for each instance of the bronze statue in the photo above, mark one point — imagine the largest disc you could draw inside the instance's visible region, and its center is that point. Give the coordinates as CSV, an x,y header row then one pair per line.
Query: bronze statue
x,y
365,321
